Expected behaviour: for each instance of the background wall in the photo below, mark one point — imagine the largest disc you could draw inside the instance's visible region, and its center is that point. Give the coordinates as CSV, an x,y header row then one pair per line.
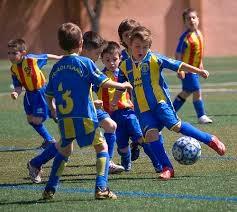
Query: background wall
x,y
37,23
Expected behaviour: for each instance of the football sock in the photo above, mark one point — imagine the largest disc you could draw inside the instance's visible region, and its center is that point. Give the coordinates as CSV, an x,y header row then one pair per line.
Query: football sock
x,y
159,150
178,102
41,129
126,159
45,156
59,163
110,140
102,170
189,130
199,108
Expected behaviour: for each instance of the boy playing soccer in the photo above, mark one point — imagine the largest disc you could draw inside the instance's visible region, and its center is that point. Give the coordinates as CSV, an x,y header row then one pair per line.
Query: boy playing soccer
x,y
70,83
26,73
152,100
190,50
93,45
123,114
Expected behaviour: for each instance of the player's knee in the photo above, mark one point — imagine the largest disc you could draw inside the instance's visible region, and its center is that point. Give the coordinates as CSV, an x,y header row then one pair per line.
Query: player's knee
x,y
152,135
36,120
101,147
123,150
176,128
109,125
65,151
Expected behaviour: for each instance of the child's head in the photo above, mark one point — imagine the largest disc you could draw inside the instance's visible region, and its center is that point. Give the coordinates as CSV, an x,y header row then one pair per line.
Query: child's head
x,y
190,18
16,50
70,38
93,45
124,29
111,56
140,42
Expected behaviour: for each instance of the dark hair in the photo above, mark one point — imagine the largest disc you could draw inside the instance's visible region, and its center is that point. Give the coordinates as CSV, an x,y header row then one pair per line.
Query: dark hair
x,y
187,11
18,44
142,33
126,25
111,48
69,36
92,40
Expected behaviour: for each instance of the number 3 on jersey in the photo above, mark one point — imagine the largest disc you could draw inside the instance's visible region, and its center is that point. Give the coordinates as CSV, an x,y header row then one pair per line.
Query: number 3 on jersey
x,y
68,106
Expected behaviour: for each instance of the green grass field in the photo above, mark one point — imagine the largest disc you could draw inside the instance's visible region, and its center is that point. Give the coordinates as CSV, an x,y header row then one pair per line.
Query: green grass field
x,y
208,185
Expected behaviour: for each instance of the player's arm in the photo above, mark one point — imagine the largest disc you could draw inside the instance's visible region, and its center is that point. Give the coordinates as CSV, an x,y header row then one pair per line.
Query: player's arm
x,y
51,103
54,57
181,73
188,68
119,86
16,92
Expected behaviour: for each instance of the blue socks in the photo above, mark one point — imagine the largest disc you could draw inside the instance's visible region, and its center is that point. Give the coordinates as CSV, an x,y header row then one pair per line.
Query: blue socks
x,y
199,108
45,156
43,132
126,161
58,166
189,130
159,151
110,140
102,170
178,103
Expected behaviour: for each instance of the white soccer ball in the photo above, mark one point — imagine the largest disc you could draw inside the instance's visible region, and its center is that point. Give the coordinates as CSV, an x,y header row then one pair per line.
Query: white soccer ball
x,y
186,150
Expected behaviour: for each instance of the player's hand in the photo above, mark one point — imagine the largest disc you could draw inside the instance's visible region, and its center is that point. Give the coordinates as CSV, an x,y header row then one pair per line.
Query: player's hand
x,y
127,85
181,75
204,74
98,103
14,95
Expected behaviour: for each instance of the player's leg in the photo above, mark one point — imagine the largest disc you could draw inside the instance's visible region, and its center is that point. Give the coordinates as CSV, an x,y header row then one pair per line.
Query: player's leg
x,y
180,100
211,140
35,165
199,108
109,126
102,169
65,148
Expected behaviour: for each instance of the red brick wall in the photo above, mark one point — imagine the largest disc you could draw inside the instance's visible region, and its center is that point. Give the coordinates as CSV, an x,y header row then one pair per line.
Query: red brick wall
x,y
37,23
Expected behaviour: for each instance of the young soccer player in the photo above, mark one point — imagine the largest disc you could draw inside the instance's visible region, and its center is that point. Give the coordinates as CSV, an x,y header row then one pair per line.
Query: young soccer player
x,y
124,29
26,73
70,83
93,45
152,100
190,50
123,114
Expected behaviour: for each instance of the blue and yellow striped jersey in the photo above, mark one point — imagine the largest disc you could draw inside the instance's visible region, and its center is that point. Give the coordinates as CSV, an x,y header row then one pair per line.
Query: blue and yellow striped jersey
x,y
190,47
149,86
124,55
70,83
28,73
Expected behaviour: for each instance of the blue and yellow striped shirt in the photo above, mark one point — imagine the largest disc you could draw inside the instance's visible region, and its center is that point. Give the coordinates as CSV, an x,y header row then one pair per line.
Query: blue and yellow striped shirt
x,y
149,86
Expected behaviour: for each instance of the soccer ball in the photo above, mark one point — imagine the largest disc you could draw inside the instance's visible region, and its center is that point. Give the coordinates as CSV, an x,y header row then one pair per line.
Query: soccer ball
x,y
186,150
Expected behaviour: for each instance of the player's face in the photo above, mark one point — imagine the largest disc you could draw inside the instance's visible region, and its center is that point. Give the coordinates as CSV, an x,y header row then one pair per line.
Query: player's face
x,y
191,21
111,61
94,54
125,37
139,49
14,55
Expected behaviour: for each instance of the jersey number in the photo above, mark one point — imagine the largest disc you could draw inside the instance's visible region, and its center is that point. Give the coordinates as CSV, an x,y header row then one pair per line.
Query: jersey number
x,y
68,107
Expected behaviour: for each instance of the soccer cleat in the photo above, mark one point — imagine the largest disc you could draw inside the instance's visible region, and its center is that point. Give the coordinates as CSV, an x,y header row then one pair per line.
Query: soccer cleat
x,y
135,151
204,120
115,169
127,167
158,168
48,195
104,194
217,145
167,173
34,173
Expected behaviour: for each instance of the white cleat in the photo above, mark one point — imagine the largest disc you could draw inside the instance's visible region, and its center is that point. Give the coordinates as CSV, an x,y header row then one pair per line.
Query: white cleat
x,y
34,173
115,169
204,120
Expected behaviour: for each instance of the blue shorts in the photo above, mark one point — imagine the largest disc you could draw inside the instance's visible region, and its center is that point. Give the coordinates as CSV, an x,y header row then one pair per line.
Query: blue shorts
x,y
191,82
35,103
128,127
163,116
85,131
101,115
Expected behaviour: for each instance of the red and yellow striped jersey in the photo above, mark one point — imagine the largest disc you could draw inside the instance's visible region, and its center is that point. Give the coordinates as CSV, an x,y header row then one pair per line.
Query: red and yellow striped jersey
x,y
107,94
190,46
28,73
